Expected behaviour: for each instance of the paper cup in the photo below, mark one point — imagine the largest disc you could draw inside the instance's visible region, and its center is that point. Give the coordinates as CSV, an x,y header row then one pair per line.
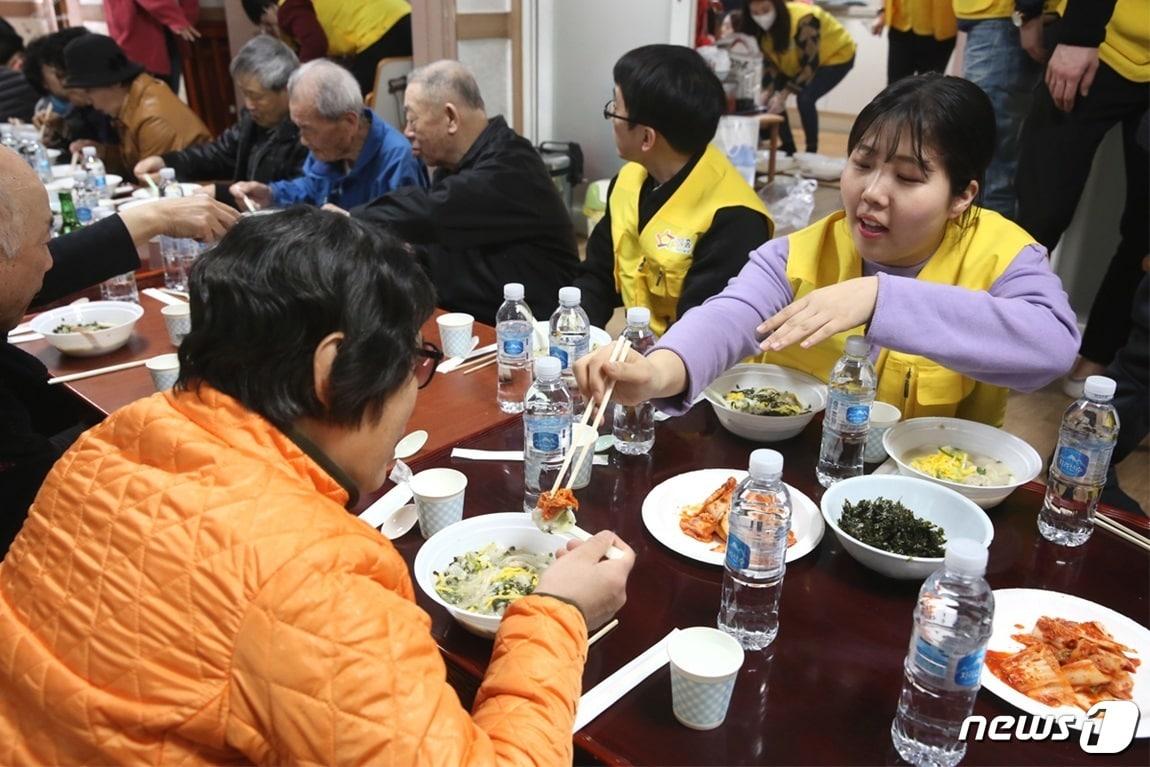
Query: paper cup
x,y
438,498
455,333
178,320
882,416
704,664
582,435
165,369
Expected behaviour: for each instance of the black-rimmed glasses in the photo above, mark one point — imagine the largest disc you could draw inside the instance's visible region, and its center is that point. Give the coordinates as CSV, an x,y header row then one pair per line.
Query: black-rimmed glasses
x,y
427,359
609,112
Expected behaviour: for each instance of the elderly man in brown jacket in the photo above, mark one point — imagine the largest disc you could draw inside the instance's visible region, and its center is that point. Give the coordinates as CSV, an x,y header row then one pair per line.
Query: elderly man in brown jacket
x,y
150,118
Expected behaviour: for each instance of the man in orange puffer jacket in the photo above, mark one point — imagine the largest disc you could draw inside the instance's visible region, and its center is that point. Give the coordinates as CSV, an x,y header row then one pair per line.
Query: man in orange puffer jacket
x,y
189,587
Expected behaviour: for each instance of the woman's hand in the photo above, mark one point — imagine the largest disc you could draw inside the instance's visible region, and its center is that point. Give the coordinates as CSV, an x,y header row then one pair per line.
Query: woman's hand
x,y
259,194
820,314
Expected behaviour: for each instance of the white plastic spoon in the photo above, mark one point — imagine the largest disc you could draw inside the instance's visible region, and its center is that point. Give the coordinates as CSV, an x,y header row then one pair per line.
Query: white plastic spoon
x,y
410,445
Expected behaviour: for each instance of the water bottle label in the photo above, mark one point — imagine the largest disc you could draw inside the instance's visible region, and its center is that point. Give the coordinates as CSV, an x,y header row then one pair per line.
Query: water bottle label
x,y
930,659
738,554
545,441
1073,463
847,413
514,347
561,354
964,672
101,182
858,414
84,214
968,670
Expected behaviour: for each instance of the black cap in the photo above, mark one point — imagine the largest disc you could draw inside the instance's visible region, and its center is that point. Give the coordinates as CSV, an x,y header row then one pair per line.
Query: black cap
x,y
95,61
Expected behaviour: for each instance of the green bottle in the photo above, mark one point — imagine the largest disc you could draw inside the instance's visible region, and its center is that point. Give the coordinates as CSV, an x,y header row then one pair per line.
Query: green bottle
x,y
69,221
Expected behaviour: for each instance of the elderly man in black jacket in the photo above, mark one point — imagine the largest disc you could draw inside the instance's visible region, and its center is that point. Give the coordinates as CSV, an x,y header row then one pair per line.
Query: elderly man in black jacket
x,y
264,145
38,422
491,215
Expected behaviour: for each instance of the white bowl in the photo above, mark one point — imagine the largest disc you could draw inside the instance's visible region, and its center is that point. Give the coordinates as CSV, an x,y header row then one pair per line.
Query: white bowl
x,y
766,428
919,433
121,315
66,181
957,516
508,529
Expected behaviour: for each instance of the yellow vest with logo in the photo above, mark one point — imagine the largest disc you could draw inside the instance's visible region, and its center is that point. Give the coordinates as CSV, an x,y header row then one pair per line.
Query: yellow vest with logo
x,y
928,18
353,26
651,265
824,254
835,44
1126,48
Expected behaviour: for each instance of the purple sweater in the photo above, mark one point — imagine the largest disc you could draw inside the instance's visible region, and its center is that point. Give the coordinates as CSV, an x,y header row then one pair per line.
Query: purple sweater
x,y
1021,334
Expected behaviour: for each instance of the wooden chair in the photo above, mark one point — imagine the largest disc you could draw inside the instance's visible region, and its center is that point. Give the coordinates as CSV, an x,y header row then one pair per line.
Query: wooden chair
x,y
386,99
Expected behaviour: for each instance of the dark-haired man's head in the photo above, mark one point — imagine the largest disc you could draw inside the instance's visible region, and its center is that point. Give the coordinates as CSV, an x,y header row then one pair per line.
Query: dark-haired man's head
x,y
11,47
666,98
45,68
262,13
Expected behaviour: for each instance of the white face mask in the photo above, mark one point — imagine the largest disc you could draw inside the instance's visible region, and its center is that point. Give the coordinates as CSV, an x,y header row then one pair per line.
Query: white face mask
x,y
765,20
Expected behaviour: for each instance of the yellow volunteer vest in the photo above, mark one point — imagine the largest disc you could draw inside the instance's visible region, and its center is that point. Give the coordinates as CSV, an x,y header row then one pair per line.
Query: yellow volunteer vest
x,y
353,26
824,254
928,18
1126,48
650,265
983,9
835,44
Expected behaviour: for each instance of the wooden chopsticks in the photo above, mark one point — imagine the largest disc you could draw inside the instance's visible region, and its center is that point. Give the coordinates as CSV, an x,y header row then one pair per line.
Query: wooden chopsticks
x,y
1122,531
479,361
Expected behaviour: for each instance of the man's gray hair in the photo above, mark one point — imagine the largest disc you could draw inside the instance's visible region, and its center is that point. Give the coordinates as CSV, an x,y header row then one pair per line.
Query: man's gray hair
x,y
8,226
447,80
266,59
332,90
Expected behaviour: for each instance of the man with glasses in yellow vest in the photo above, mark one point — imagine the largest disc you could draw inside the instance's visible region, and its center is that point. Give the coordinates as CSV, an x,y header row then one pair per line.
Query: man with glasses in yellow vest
x,y
680,218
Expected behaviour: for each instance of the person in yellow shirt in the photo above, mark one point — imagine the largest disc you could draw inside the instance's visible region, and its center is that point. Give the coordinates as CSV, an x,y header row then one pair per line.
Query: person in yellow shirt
x,y
921,36
806,53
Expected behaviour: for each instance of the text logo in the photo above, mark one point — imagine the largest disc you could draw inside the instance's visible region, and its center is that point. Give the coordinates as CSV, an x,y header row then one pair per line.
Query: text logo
x,y
1107,728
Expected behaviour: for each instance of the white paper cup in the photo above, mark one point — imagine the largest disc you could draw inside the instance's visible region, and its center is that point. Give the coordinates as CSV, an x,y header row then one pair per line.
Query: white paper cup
x,y
704,664
438,498
581,435
165,369
883,415
455,333
178,320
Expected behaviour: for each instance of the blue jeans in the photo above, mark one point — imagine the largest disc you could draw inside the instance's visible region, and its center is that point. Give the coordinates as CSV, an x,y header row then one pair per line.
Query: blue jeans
x,y
825,78
994,61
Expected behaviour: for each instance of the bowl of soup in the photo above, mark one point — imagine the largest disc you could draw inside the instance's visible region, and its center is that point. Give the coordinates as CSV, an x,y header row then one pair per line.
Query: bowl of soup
x,y
978,461
477,567
765,403
88,329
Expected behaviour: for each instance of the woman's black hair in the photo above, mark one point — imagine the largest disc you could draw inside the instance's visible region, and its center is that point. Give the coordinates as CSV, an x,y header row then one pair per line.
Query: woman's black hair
x,y
780,31
671,89
255,8
949,115
48,51
275,286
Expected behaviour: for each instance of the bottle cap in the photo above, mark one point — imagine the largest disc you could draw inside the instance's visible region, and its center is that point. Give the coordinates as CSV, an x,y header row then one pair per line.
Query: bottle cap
x,y
765,464
966,556
547,368
89,151
570,296
857,346
1099,387
513,291
168,174
638,315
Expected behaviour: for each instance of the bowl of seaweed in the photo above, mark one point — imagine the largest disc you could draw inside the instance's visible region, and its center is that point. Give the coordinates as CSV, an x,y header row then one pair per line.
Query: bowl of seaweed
x,y
899,526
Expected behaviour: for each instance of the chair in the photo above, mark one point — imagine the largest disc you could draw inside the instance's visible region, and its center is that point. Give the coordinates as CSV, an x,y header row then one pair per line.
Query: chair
x,y
386,99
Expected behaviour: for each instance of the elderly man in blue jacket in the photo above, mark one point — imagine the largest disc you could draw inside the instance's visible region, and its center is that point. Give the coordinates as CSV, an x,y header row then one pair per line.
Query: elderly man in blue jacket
x,y
353,155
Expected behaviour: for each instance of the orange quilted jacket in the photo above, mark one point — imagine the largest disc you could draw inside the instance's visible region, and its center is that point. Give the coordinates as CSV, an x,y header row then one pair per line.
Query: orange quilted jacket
x,y
188,589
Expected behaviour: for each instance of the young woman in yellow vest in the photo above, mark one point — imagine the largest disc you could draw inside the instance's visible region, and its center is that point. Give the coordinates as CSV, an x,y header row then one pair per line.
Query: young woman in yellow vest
x,y
959,304
806,52
921,36
361,32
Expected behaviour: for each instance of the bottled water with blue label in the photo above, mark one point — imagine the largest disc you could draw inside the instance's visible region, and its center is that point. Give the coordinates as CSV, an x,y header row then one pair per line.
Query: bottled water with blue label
x,y
1078,470
99,177
634,426
943,668
758,524
84,196
546,430
850,392
570,337
514,325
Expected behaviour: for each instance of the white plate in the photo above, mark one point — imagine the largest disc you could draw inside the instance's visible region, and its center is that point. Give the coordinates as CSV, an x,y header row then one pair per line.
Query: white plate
x,y
1023,607
661,514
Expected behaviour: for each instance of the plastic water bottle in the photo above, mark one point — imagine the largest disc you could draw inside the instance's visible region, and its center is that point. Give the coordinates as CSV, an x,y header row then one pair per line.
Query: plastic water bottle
x,y
1078,471
84,196
168,185
943,668
570,337
8,137
756,553
514,325
850,392
546,429
96,173
634,426
42,164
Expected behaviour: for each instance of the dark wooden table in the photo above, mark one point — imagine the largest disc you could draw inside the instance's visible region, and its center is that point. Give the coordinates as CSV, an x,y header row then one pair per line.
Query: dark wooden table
x,y
825,691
